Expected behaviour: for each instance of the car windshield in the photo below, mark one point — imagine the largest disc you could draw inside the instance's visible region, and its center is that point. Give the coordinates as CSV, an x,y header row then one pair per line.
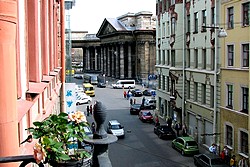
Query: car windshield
x,y
191,143
116,127
136,105
166,128
217,161
147,113
89,88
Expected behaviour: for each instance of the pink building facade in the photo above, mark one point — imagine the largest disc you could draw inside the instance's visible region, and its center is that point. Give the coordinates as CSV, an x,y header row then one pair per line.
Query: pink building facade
x,y
32,59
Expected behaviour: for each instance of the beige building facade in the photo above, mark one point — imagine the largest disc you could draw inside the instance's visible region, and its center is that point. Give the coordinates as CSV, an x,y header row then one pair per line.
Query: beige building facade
x,y
234,106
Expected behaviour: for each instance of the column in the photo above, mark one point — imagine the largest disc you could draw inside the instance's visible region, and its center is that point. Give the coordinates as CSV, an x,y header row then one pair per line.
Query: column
x,y
147,61
117,66
88,58
96,58
109,61
8,96
105,60
113,61
129,62
121,61
102,59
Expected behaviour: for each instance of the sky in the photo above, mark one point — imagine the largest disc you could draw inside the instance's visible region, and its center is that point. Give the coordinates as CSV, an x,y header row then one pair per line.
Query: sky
x,y
88,15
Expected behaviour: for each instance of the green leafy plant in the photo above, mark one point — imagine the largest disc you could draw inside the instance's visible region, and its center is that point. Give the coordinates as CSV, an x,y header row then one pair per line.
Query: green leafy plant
x,y
58,137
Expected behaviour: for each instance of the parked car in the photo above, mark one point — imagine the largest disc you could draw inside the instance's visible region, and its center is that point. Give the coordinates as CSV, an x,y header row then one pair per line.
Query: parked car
x,y
136,93
164,132
135,109
209,160
149,104
114,127
83,100
149,92
145,116
78,76
101,85
186,145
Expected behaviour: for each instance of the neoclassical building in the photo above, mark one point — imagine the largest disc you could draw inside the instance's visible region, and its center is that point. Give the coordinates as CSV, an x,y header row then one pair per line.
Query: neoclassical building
x,y
124,47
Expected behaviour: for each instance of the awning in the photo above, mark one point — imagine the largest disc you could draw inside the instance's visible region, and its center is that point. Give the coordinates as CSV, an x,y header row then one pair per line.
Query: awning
x,y
47,78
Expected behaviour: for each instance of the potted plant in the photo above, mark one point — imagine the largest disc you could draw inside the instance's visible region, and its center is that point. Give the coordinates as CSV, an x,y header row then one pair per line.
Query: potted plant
x,y
58,137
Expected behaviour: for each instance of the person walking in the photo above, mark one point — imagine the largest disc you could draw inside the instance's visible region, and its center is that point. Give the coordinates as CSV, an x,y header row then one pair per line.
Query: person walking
x,y
134,101
90,109
93,127
213,148
227,154
157,122
242,162
233,161
124,94
177,128
184,130
87,110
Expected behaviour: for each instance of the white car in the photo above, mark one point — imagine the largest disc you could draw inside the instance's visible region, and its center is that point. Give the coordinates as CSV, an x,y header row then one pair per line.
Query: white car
x,y
83,100
115,128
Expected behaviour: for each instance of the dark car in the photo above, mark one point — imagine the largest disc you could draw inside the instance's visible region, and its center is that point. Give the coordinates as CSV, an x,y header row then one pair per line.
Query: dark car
x,y
145,116
149,92
208,160
186,145
101,85
164,132
136,93
135,109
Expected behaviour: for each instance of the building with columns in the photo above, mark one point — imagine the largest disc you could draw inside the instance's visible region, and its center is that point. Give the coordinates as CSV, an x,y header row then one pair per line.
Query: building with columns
x,y
127,46
31,63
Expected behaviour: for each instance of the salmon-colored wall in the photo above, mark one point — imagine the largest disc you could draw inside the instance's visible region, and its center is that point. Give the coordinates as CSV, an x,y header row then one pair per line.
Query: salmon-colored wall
x,y
8,85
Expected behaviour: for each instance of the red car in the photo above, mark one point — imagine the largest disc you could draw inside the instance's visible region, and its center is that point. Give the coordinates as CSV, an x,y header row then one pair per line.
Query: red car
x,y
145,116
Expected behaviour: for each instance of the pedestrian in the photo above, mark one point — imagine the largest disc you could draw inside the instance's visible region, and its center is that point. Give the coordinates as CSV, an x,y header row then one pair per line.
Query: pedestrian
x,y
124,94
169,122
177,128
131,101
213,148
233,161
142,102
227,154
93,127
134,101
242,162
90,109
157,122
87,110
184,130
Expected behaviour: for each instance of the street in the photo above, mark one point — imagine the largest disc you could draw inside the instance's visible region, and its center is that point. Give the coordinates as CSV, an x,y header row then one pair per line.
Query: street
x,y
140,147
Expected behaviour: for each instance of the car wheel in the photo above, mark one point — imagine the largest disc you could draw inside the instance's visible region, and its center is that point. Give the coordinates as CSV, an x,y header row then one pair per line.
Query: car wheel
x,y
160,136
182,152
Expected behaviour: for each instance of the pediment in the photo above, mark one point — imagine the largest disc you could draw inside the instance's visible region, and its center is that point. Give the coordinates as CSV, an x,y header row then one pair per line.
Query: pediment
x,y
107,29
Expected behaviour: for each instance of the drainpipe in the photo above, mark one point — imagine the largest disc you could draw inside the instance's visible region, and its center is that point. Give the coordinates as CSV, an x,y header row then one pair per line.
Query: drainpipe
x,y
215,75
183,65
62,18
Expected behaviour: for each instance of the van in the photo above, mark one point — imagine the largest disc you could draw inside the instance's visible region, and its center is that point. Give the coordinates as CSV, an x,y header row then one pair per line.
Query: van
x,y
149,104
89,89
124,84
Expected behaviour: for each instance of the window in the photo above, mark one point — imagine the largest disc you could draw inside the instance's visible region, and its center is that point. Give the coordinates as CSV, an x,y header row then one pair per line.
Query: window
x,y
212,16
230,96
230,55
229,135
163,82
204,20
204,58
159,56
173,58
211,96
203,91
196,22
188,23
212,58
159,82
188,58
244,142
167,83
195,58
244,100
163,30
195,91
230,15
188,89
168,57
245,14
163,57
245,55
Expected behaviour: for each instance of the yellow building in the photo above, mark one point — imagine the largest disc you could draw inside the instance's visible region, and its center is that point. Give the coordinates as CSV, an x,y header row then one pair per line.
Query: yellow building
x,y
235,77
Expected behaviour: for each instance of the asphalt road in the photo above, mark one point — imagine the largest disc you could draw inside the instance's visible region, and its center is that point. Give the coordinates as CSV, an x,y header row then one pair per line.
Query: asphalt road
x,y
140,147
